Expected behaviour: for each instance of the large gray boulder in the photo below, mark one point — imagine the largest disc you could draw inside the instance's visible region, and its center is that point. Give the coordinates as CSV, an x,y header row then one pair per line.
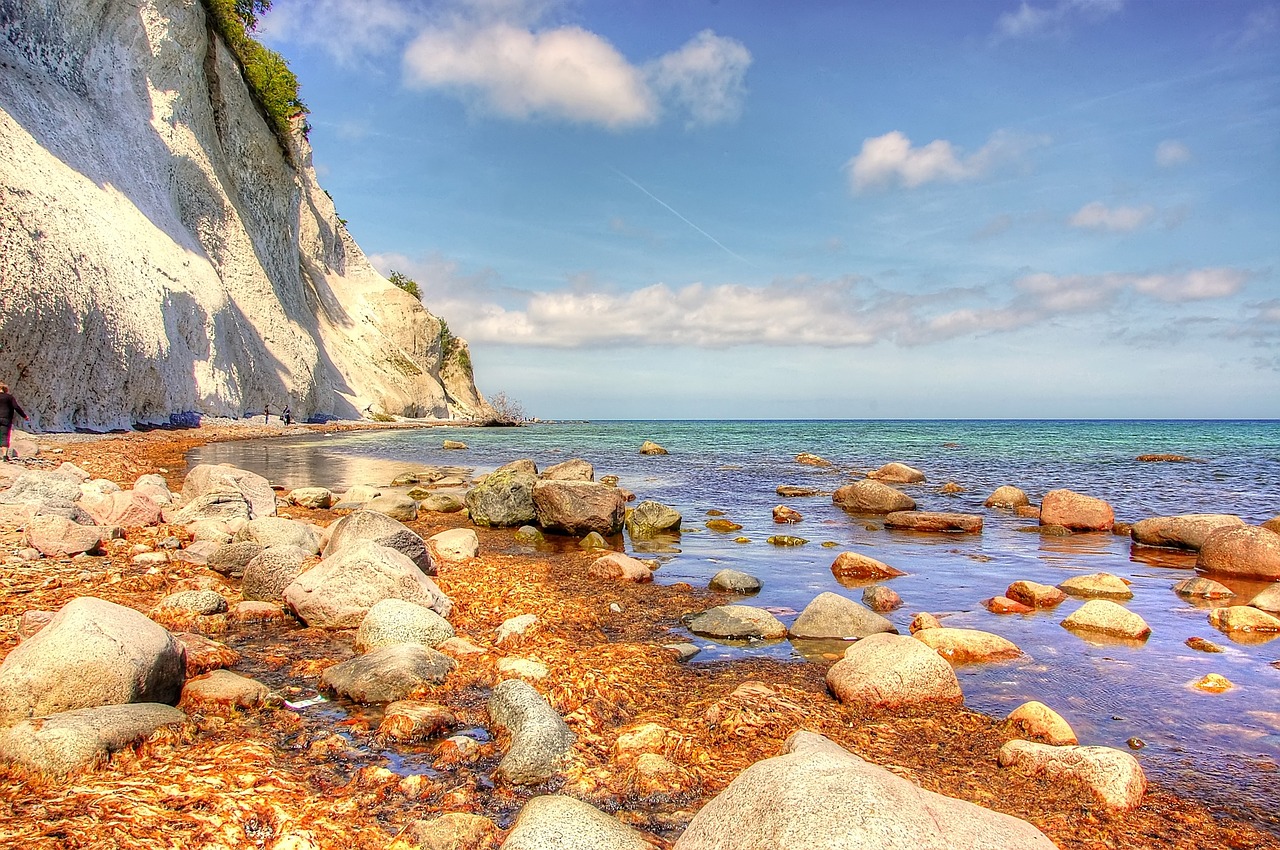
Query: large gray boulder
x,y
505,497
379,528
394,621
67,741
831,615
579,507
340,590
556,822
388,673
272,570
650,518
231,559
278,531
541,742
819,796
92,653
224,504
206,478
38,488
887,671
871,497
1185,531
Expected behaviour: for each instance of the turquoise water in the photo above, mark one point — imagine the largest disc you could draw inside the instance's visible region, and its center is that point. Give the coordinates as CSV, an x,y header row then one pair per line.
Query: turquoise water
x,y
1220,748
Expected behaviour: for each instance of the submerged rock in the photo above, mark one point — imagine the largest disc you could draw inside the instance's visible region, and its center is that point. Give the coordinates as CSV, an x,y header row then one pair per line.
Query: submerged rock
x,y
855,565
897,473
809,459
934,521
722,525
1097,585
649,447
1103,616
1242,618
1203,588
968,646
650,518
1035,595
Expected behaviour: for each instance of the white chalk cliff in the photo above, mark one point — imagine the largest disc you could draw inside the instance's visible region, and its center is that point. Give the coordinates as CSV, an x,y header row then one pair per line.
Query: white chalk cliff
x,y
160,250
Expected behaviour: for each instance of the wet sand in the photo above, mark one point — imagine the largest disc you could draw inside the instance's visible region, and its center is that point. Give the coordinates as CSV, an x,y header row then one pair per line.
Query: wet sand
x,y
249,778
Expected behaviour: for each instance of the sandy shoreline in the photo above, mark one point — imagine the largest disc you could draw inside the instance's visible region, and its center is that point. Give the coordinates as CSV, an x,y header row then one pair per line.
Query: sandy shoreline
x,y
607,673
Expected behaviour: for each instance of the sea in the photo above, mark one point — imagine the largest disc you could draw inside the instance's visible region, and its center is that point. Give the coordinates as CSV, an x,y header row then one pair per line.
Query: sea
x,y
1222,749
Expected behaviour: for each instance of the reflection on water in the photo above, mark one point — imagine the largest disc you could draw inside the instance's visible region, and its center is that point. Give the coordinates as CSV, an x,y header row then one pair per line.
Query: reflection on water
x,y
1221,748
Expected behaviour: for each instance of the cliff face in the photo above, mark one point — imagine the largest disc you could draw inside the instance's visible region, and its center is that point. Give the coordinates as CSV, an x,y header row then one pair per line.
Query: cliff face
x,y
161,253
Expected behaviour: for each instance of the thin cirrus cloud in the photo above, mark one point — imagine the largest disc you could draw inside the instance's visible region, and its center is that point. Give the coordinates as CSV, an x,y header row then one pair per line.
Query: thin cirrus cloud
x,y
892,160
846,312
571,74
1053,20
1171,153
1098,216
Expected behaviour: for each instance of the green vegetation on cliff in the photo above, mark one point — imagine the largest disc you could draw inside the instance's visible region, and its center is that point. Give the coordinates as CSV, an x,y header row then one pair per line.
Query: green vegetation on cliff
x,y
272,84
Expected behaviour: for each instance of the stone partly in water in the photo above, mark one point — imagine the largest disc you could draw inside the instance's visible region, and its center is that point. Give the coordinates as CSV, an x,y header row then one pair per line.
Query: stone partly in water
x,y
738,622
1242,618
886,671
1102,616
593,541
67,741
809,459
831,615
541,743
91,653
784,514
924,620
871,497
505,497
1243,552
1005,605
1007,496
649,447
1202,588
819,796
1076,511
733,581
530,534
790,491
786,540
1201,645
1187,531
1097,585
1268,599
968,646
619,567
387,674
1035,595
1114,777
722,525
855,565
453,445
1212,683
897,473
934,521
1039,721
579,507
649,518
881,599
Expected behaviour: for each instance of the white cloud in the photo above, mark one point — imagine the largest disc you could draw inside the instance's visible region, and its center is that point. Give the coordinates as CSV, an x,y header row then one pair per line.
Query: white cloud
x,y
1057,20
1171,152
891,158
349,30
705,76
845,312
1098,216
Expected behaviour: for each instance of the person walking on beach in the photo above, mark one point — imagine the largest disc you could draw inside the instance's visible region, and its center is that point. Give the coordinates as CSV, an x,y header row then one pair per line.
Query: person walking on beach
x,y
266,413
8,406
287,416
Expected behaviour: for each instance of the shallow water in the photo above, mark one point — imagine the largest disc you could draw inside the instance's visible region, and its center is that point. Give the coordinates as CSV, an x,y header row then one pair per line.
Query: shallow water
x,y
1221,748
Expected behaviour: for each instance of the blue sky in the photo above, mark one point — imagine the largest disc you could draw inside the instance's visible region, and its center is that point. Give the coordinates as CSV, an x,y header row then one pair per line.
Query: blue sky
x,y
1058,208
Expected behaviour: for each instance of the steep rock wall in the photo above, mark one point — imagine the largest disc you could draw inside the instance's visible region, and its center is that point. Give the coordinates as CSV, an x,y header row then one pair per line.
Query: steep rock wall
x,y
160,252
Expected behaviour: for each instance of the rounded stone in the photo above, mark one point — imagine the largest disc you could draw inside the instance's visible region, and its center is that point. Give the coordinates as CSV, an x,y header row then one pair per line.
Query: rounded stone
x,y
1102,616
886,671
871,497
394,621
831,615
733,581
738,622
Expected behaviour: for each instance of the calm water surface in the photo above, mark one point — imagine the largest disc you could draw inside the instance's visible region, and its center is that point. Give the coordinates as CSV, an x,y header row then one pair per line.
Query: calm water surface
x,y
1223,749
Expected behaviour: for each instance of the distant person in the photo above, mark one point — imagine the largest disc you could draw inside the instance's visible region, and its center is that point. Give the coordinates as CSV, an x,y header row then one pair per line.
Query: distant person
x,y
8,406
287,416
266,414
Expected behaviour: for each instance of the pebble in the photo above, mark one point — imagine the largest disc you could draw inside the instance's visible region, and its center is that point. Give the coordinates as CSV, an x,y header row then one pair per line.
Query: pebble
x,y
1212,683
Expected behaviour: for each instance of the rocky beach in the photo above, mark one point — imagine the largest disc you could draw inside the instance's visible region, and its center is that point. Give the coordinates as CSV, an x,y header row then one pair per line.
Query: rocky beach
x,y
442,664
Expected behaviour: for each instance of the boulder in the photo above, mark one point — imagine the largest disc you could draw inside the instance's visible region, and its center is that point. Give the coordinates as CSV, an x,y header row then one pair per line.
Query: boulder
x,y
579,507
575,469
441,503
395,505
210,478
557,822
394,621
1268,599
923,620
200,602
338,593
786,540
1114,777
790,491
1035,595
649,447
968,646
224,505
733,581
1097,586
618,567
197,553
1248,551
272,570
454,445
1240,618
871,497
222,688
375,527
1202,588
897,473
126,508
1076,511
1005,605
231,559
278,531
209,531
33,621
1007,496
505,497
831,615
934,521
819,796
784,514
887,671
541,743
724,526
92,653
67,741
593,540
530,534
314,498
650,518
810,459
1186,531
854,565
1039,721
356,497
38,488
522,668
454,545
154,488
881,599
738,622
388,673
1102,616
1272,524
59,537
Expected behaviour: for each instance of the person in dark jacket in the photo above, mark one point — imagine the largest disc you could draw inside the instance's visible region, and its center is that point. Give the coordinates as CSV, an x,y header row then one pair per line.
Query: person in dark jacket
x,y
8,407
